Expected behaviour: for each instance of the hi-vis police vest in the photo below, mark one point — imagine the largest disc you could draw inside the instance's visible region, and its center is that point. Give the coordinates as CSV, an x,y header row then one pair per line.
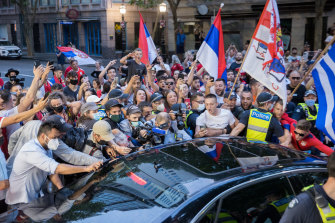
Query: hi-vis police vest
x,y
309,116
223,217
258,124
327,212
282,204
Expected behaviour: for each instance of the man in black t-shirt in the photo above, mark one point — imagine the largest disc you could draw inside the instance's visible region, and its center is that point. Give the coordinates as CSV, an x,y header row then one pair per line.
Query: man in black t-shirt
x,y
298,96
135,66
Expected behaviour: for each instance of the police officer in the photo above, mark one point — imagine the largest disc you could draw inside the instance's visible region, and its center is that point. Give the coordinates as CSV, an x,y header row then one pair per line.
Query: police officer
x,y
308,110
260,123
317,204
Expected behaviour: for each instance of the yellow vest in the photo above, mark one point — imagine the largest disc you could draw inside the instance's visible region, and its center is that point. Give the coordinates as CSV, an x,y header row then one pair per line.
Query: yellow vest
x,y
258,124
309,116
282,204
223,217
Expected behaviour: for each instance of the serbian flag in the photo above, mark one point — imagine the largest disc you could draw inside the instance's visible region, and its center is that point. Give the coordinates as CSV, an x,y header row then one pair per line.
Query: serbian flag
x,y
211,53
76,54
146,44
264,60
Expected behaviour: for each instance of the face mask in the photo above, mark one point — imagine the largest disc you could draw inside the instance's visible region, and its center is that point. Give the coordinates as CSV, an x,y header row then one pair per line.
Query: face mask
x,y
58,109
160,107
1,140
12,78
96,116
115,118
74,82
53,144
310,102
135,124
201,107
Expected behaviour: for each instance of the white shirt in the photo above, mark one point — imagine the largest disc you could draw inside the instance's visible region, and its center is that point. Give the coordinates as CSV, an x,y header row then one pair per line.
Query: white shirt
x,y
224,118
11,128
158,67
219,98
31,167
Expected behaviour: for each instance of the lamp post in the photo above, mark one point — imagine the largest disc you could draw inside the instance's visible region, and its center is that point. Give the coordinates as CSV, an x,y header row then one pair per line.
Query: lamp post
x,y
123,27
162,10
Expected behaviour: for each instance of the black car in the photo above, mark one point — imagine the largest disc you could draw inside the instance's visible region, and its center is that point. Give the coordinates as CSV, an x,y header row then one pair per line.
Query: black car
x,y
230,179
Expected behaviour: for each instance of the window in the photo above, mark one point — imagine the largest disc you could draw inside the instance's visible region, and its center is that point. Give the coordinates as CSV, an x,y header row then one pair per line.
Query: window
x,y
262,202
301,180
65,2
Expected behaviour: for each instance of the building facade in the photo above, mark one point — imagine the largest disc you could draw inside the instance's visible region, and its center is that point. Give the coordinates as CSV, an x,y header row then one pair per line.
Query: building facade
x,y
240,17
94,26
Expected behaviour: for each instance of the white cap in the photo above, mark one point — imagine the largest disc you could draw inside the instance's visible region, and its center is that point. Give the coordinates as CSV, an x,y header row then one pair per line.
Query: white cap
x,y
93,98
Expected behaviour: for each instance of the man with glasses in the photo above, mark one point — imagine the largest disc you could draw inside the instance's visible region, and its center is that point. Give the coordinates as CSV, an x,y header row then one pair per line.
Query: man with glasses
x,y
303,139
294,77
170,83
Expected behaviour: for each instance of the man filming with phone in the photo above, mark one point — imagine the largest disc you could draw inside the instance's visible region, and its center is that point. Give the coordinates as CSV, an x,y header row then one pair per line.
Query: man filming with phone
x,y
135,66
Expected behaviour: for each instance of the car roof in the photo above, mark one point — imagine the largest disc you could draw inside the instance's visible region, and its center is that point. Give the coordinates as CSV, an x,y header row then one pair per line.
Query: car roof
x,y
155,181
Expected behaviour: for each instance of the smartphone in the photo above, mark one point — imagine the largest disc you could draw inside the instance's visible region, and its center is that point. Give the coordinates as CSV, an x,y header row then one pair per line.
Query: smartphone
x,y
37,63
50,63
117,80
187,102
181,76
46,95
211,79
202,127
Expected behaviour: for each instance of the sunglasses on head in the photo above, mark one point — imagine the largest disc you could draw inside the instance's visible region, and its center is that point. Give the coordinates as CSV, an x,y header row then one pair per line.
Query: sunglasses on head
x,y
300,134
169,83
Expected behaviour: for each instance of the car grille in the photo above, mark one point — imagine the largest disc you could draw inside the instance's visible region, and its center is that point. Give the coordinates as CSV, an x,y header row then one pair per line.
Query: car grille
x,y
13,51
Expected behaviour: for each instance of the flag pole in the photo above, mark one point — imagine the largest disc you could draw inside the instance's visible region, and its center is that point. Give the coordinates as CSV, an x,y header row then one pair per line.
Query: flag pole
x,y
239,71
313,65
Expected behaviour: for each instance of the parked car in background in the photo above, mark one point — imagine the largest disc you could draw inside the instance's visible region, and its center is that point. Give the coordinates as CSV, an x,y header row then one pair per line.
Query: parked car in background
x,y
217,179
9,50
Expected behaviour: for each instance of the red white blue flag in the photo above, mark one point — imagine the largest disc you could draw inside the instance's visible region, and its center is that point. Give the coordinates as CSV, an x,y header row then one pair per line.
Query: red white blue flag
x,y
146,44
264,60
76,54
211,53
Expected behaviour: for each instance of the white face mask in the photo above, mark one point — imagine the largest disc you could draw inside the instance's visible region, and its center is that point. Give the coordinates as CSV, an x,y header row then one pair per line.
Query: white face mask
x,y
161,107
53,144
201,107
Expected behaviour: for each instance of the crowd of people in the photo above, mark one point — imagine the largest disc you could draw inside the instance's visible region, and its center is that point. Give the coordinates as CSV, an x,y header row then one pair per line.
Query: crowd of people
x,y
69,124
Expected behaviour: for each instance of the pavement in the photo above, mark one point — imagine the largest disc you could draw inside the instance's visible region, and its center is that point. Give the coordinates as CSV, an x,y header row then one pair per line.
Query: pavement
x,y
25,66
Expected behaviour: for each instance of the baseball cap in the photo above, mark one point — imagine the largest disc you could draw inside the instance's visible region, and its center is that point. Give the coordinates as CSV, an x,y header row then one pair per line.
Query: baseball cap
x,y
103,129
89,106
117,94
310,92
112,103
155,97
232,96
59,122
93,98
264,97
133,109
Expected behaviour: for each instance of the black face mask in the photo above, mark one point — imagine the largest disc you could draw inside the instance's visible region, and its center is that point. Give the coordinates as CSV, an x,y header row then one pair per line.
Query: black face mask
x,y
12,78
2,139
74,82
58,109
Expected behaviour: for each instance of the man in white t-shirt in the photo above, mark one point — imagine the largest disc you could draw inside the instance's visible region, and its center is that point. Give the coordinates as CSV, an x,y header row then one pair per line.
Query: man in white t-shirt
x,y
218,88
214,121
162,66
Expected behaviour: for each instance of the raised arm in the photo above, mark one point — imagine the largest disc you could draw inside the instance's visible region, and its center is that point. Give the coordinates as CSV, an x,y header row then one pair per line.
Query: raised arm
x,y
124,59
190,75
23,115
30,96
103,72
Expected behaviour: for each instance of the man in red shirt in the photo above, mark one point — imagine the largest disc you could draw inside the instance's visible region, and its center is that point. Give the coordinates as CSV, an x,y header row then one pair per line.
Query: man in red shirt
x,y
303,139
74,66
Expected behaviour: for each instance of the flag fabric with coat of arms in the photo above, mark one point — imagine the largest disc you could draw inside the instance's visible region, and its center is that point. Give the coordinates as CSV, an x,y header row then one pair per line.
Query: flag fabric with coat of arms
x,y
146,44
264,60
211,53
324,79
72,53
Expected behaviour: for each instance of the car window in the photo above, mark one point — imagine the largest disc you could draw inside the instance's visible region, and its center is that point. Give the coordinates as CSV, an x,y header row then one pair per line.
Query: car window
x,y
301,181
265,201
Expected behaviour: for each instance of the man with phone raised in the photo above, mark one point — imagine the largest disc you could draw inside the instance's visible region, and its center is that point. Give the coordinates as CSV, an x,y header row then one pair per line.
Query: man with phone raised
x,y
135,66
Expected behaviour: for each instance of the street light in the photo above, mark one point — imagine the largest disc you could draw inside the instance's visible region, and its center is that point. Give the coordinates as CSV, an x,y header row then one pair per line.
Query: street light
x,y
123,11
162,9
